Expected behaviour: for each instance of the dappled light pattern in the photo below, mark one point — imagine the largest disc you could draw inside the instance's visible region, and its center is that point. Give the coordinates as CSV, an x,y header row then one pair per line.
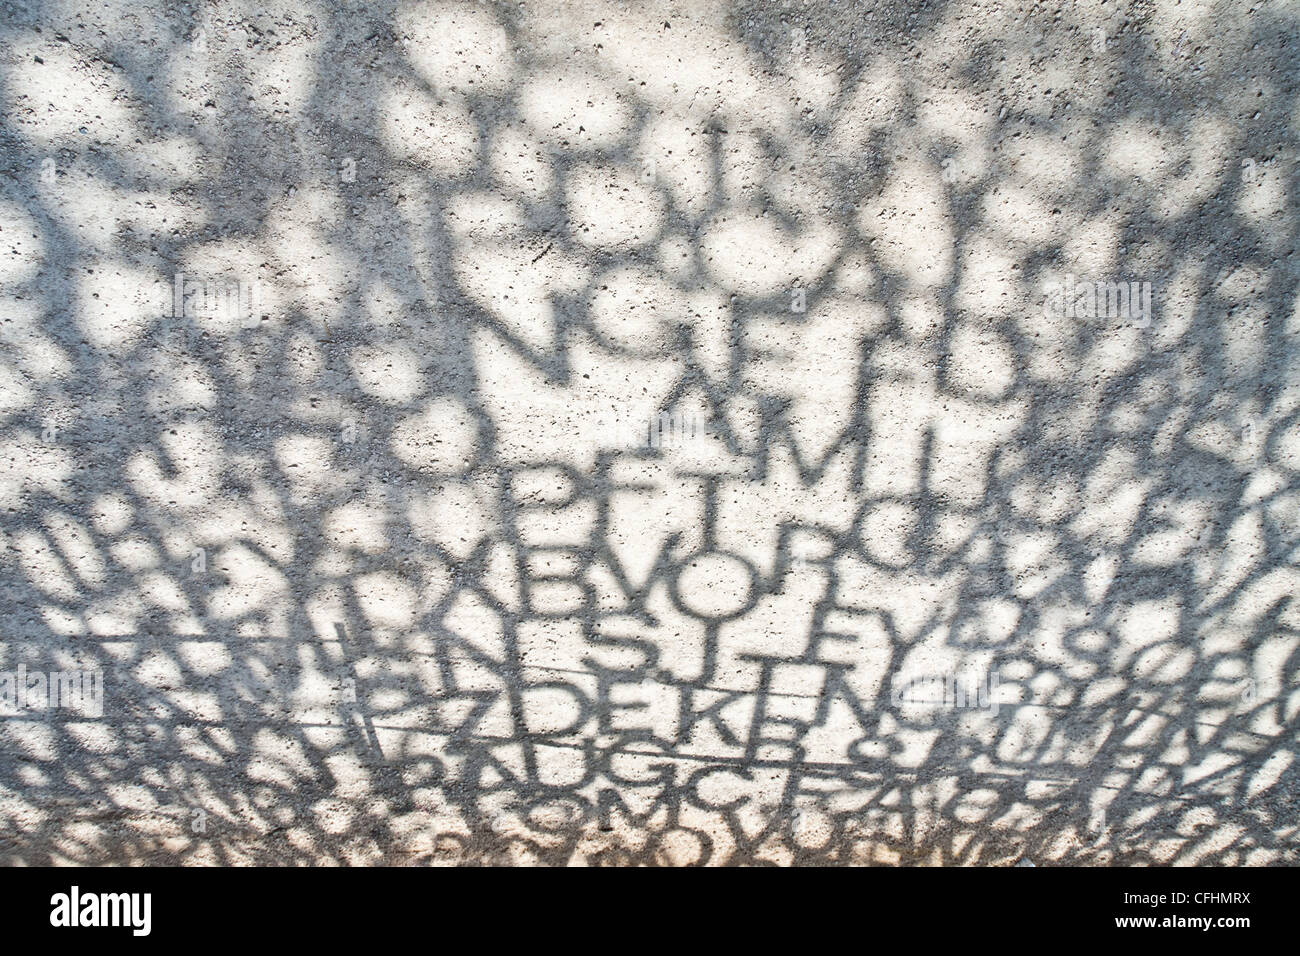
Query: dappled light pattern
x,y
554,432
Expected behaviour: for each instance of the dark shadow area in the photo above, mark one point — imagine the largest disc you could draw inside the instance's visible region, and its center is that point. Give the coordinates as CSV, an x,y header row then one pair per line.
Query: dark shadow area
x,y
624,408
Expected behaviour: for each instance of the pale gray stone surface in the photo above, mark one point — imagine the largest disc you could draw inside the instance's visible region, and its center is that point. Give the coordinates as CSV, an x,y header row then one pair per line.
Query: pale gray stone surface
x,y
589,431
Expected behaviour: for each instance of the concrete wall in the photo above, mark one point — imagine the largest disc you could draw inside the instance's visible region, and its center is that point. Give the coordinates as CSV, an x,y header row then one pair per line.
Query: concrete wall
x,y
666,432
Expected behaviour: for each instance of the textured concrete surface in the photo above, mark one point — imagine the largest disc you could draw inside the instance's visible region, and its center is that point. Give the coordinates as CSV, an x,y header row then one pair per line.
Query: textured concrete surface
x,y
585,433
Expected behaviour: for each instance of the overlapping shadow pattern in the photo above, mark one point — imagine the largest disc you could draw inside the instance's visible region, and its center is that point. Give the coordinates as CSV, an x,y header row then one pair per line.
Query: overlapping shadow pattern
x,y
370,576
